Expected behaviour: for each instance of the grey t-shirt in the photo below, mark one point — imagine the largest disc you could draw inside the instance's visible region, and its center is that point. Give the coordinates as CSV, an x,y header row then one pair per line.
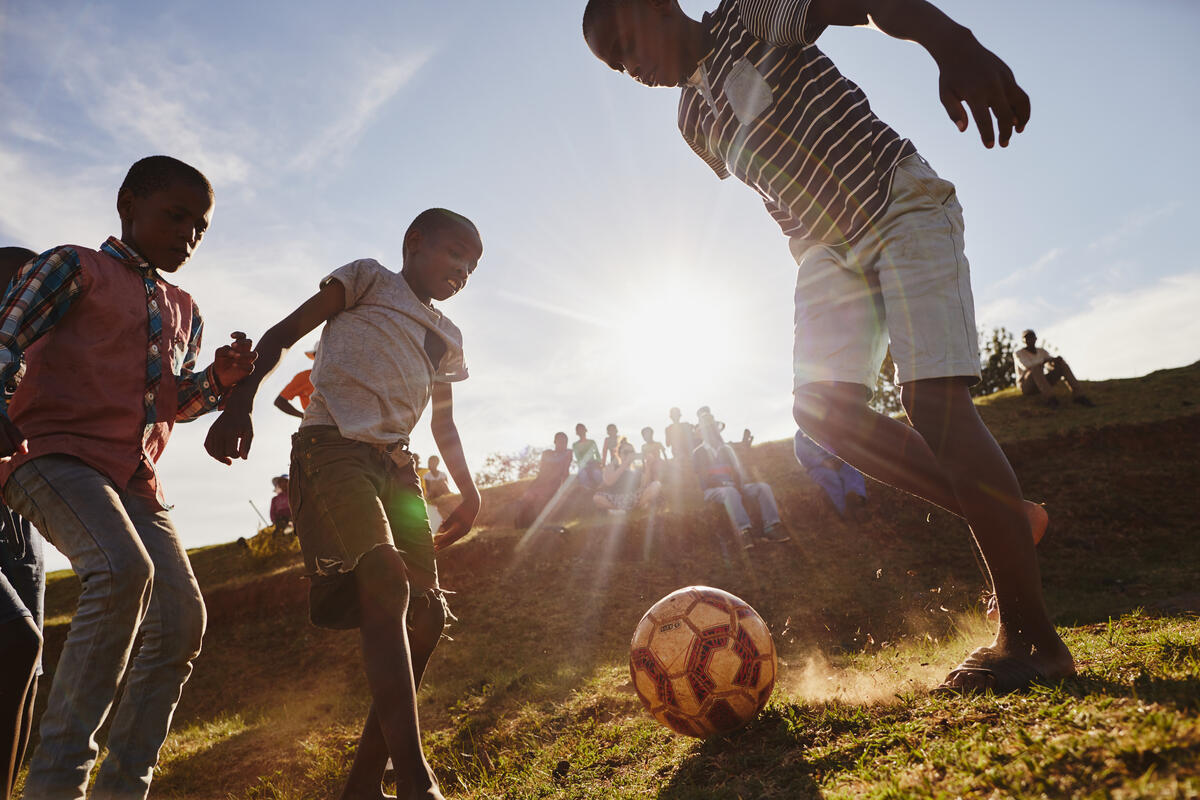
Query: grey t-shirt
x,y
377,360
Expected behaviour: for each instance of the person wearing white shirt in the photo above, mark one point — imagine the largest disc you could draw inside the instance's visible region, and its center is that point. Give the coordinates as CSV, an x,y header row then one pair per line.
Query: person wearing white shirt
x,y
1038,372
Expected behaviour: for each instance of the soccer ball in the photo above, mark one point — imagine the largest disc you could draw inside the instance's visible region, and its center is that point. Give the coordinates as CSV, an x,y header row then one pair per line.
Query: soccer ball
x,y
702,661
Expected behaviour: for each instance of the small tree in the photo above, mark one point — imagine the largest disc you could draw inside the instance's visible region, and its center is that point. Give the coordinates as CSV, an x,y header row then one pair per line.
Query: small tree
x,y
996,363
501,468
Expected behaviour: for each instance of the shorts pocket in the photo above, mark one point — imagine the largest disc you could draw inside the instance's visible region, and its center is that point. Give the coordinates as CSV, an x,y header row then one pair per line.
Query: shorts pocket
x,y
748,93
925,180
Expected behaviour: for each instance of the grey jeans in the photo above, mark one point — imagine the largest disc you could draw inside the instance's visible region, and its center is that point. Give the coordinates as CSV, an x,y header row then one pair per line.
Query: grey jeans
x,y
136,578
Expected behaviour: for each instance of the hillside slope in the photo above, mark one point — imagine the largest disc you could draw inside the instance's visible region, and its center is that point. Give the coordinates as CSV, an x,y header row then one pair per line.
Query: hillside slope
x,y
867,616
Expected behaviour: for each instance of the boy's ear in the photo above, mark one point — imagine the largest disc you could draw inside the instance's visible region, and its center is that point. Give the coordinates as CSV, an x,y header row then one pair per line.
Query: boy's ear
x,y
125,200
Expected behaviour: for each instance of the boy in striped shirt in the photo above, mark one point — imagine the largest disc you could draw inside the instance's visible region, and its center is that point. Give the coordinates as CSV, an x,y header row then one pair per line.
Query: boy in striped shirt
x,y
877,237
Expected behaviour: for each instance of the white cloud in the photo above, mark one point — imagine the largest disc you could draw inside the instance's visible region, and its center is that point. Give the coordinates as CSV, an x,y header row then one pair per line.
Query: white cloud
x,y
377,82
1127,334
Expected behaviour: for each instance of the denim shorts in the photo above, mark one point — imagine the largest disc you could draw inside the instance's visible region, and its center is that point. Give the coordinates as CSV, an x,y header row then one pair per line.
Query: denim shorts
x,y
904,282
22,570
348,498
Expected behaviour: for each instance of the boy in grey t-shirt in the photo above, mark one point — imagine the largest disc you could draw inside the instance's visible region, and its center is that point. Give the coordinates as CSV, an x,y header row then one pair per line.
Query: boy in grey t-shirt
x,y
356,498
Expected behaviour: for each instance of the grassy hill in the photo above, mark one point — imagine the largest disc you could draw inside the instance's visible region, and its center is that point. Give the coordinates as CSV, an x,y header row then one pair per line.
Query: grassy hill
x,y
532,697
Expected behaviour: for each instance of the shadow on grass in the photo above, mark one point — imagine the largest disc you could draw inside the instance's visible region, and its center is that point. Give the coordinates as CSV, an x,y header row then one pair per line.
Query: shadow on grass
x,y
1180,693
765,759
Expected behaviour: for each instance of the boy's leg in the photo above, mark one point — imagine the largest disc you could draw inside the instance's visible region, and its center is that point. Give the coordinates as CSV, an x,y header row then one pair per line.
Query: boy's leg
x,y
426,620
383,594
21,644
731,499
767,509
171,634
81,513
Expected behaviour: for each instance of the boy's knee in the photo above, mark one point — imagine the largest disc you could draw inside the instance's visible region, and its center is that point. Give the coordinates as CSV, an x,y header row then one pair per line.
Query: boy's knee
x,y
427,618
184,627
382,576
126,590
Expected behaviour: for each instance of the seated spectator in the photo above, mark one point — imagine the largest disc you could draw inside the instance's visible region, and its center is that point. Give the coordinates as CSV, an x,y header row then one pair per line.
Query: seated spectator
x,y
680,437
1038,372
281,509
587,459
654,455
843,484
721,479
553,469
623,487
299,388
435,483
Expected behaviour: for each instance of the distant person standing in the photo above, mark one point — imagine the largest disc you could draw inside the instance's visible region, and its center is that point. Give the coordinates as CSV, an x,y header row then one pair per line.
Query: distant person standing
x,y
1038,372
299,388
611,440
842,483
654,455
680,437
281,510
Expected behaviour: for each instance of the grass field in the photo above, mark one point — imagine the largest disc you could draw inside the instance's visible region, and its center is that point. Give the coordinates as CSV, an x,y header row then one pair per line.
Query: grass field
x,y
532,697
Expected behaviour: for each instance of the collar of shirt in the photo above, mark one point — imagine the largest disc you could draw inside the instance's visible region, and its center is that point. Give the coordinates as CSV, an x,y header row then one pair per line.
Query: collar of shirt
x,y
130,257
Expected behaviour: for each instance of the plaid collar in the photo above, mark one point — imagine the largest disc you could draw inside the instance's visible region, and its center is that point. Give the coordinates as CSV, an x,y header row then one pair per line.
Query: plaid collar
x,y
131,258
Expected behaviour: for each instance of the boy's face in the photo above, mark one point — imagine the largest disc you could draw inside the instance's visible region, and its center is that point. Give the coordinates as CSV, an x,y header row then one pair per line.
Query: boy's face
x,y
165,226
560,441
638,37
439,260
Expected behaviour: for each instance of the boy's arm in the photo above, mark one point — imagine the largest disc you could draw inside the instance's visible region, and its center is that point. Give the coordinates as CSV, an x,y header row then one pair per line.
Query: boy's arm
x,y
39,295
231,435
970,73
445,435
197,393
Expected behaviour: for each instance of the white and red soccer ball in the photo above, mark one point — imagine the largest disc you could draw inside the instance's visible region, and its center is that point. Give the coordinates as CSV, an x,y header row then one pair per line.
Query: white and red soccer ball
x,y
702,661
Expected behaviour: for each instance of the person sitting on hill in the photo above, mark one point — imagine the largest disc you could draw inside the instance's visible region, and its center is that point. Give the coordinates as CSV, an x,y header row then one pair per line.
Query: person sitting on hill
x,y
623,487
299,388
842,483
721,479
553,469
281,509
435,483
1038,372
587,459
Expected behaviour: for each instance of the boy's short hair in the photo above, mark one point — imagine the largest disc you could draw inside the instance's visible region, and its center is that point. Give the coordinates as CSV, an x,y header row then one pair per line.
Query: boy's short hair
x,y
434,219
13,258
155,173
597,10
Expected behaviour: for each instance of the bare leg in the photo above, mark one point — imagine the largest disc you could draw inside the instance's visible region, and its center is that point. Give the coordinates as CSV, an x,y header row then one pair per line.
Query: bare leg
x,y
951,460
384,595
21,644
426,619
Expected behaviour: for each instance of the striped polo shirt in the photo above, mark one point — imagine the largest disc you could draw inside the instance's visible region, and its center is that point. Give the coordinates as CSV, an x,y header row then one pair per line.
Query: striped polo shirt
x,y
768,107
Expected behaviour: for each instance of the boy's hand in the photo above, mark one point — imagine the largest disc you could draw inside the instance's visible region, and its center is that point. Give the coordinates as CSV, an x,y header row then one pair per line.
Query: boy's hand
x,y
458,524
230,436
234,362
12,441
972,74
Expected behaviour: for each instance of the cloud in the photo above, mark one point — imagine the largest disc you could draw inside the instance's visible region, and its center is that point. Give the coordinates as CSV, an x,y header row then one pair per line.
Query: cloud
x,y
1126,334
377,82
1132,224
1025,273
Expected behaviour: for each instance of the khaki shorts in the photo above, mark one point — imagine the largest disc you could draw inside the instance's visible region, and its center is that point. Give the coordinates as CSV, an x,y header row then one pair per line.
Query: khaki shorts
x,y
347,499
906,280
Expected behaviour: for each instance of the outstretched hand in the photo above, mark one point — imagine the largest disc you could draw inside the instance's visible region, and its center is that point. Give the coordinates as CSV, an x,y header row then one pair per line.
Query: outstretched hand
x,y
458,524
974,75
230,436
234,362
12,441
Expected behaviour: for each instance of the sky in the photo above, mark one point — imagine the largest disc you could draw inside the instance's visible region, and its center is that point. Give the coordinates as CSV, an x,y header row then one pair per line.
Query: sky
x,y
619,277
